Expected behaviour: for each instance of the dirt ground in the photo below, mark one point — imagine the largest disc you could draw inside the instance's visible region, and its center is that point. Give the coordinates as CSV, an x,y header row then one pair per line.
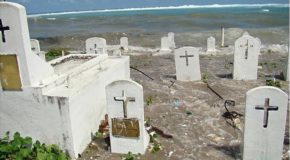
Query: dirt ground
x,y
191,112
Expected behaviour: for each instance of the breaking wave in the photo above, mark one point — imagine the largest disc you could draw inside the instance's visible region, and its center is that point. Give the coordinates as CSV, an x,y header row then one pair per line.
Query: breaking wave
x,y
165,8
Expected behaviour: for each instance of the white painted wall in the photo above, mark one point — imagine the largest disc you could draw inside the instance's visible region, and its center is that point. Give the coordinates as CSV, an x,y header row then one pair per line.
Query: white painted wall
x,y
40,117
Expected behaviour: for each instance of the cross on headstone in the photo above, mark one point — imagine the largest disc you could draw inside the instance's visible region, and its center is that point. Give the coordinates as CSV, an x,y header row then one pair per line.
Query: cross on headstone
x,y
125,100
3,29
95,48
266,107
186,56
247,49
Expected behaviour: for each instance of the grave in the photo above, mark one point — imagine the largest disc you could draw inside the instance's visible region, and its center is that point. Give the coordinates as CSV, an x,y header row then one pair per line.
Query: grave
x,y
165,44
211,44
35,47
246,54
124,43
125,107
187,64
61,102
96,45
171,40
265,120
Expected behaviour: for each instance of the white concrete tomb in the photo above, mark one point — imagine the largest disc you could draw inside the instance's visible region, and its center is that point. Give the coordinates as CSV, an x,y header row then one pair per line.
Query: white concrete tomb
x,y
61,102
187,64
125,107
211,44
96,45
246,54
124,43
165,44
171,40
265,120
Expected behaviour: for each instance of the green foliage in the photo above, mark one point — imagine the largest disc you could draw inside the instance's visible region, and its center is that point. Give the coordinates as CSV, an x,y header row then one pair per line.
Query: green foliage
x,y
273,83
22,148
128,156
149,100
205,78
98,135
155,147
54,53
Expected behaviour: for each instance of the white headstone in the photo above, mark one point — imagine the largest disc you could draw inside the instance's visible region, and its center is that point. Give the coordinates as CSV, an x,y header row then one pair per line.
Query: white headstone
x,y
35,47
171,40
126,117
211,44
96,45
15,40
165,44
187,64
247,50
265,120
124,43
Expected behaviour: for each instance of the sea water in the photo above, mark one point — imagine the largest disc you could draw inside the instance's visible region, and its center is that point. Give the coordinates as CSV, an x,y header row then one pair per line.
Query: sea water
x,y
192,24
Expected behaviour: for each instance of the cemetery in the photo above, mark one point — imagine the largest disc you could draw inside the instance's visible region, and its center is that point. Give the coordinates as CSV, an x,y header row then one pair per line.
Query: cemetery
x,y
119,101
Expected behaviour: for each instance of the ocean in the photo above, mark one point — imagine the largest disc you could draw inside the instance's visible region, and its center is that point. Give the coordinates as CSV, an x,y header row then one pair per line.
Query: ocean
x,y
145,26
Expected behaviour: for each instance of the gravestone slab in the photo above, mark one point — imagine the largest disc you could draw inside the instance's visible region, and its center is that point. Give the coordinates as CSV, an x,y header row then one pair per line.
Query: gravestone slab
x,y
171,40
126,117
35,47
265,120
246,54
96,45
124,43
187,64
211,44
15,41
165,44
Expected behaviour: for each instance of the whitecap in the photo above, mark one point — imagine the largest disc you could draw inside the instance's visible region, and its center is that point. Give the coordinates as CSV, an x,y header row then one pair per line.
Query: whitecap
x,y
265,10
51,19
165,8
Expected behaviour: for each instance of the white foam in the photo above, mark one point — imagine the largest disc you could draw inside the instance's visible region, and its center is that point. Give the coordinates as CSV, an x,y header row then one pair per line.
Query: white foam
x,y
265,10
165,8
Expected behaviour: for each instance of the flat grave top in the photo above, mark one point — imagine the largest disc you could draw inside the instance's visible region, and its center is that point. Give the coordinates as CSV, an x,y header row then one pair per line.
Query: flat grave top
x,y
67,63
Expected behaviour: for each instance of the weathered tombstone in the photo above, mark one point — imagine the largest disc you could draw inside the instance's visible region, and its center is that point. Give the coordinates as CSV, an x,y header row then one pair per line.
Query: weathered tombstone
x,y
171,40
265,120
222,36
96,45
124,43
211,44
165,44
247,50
187,64
35,47
126,117
18,64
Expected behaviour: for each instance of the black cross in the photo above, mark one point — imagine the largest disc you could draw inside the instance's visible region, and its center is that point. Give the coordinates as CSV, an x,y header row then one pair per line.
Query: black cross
x,y
125,100
266,107
3,29
247,49
186,57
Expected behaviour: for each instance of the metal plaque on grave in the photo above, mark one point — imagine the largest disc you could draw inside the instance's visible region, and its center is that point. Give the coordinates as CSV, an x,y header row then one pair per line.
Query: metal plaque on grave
x,y
128,127
9,73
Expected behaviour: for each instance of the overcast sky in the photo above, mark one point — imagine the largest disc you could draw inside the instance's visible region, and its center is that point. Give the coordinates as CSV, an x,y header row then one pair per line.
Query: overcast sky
x,y
43,6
